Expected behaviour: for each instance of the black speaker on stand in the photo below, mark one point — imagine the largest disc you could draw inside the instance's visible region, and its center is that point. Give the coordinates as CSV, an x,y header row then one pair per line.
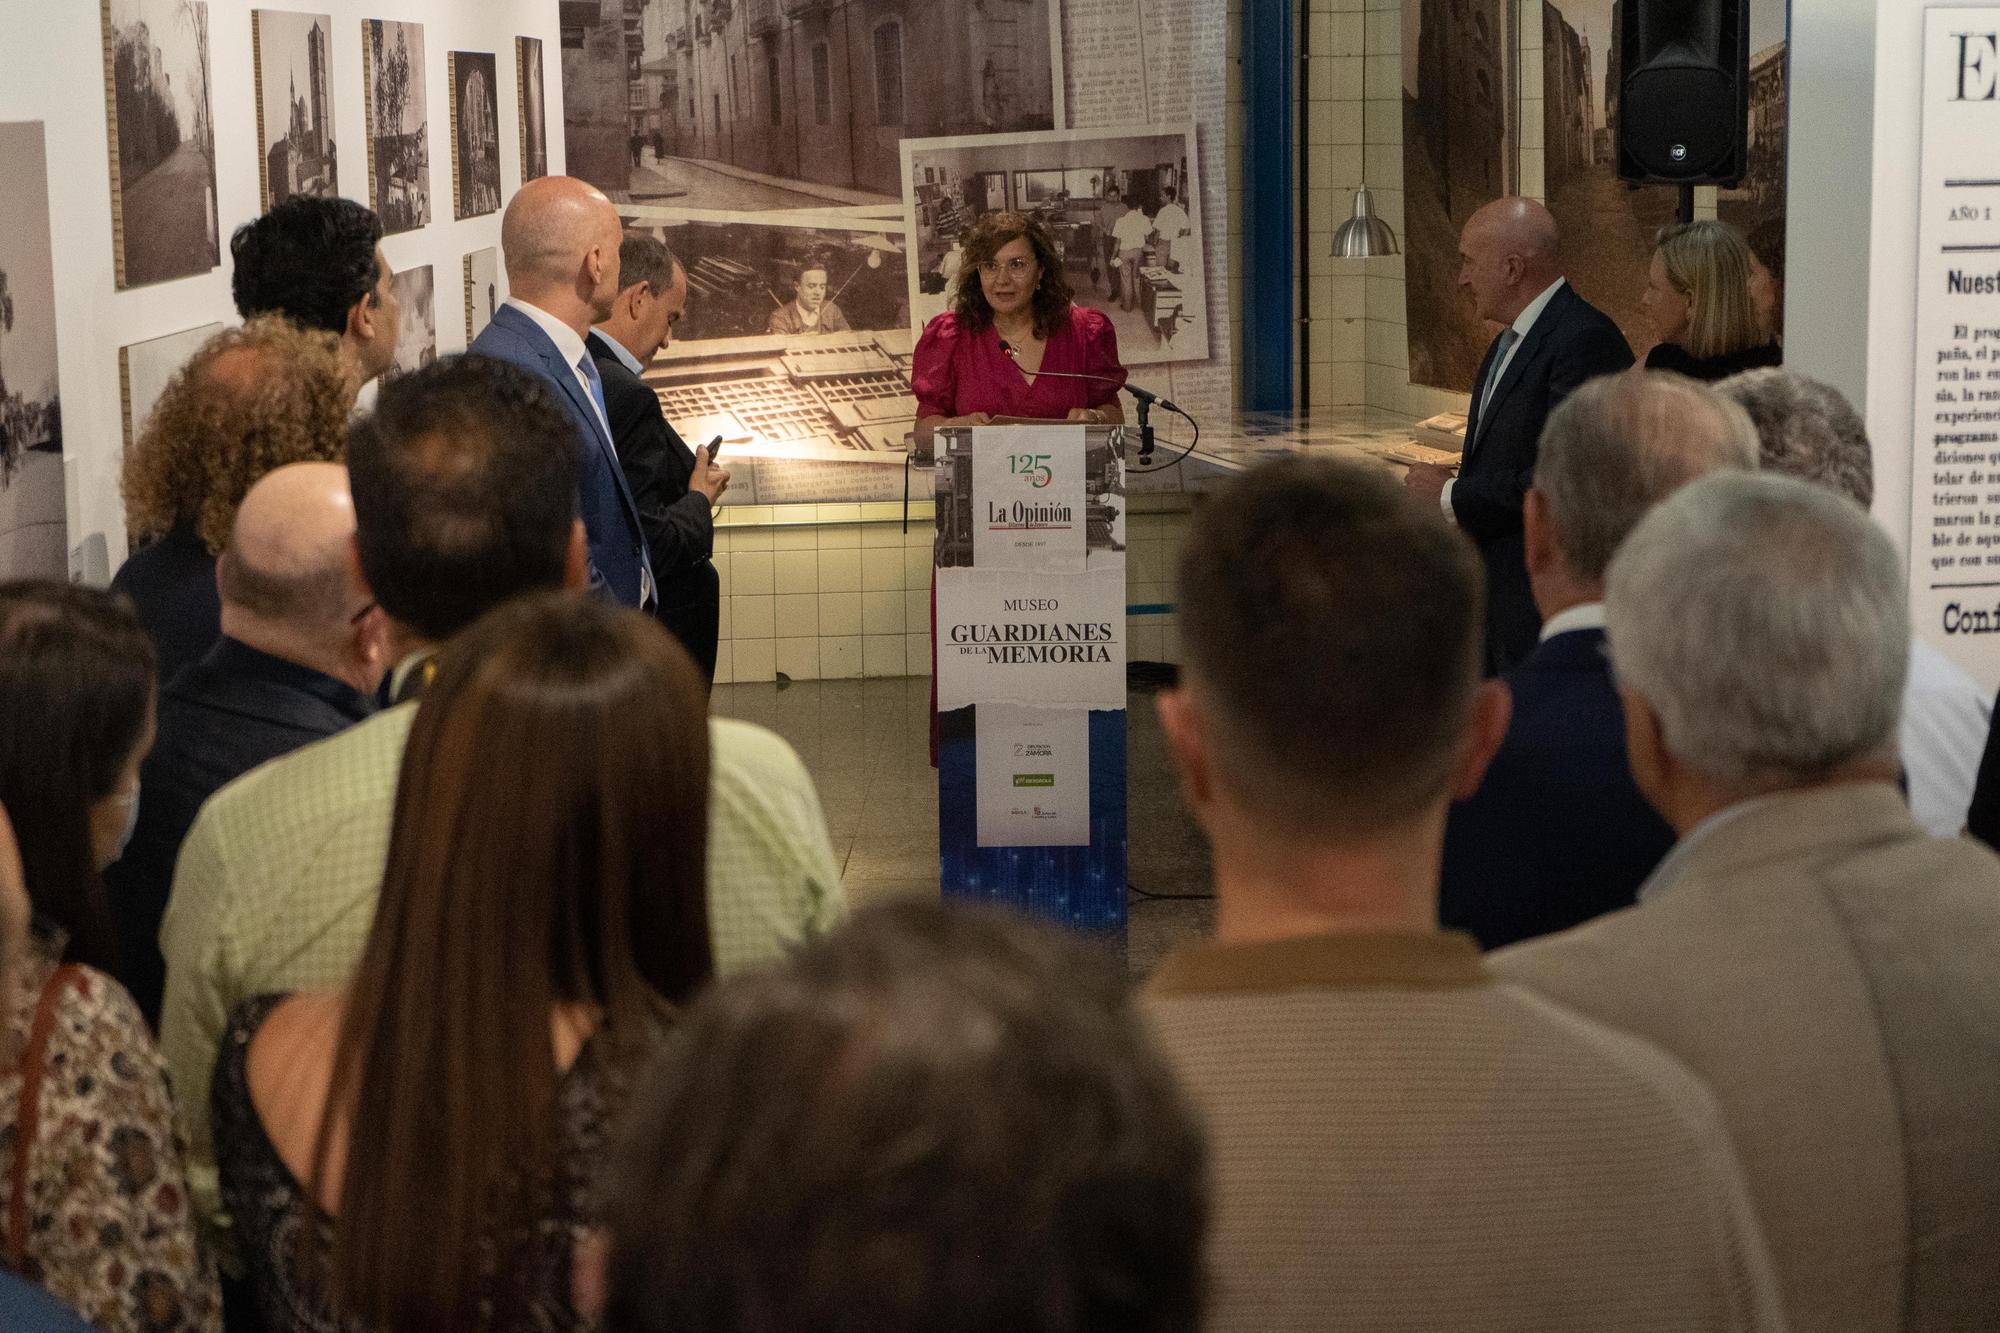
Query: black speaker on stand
x,y
1684,93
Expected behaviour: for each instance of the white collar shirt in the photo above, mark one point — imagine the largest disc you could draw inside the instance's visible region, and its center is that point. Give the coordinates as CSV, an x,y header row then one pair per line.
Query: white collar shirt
x,y
1585,615
619,350
570,347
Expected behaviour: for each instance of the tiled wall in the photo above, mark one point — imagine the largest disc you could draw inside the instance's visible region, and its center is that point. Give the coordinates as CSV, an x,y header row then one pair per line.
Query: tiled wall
x,y
838,591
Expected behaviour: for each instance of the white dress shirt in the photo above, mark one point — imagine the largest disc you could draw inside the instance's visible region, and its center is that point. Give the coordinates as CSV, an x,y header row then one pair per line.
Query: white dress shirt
x,y
1945,718
1522,323
1584,615
570,347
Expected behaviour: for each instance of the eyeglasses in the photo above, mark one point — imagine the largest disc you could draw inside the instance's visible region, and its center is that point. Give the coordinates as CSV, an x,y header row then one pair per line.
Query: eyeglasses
x,y
356,618
1013,268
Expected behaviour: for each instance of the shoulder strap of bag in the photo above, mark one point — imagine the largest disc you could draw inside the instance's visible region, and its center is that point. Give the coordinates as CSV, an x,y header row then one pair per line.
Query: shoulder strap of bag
x,y
28,1114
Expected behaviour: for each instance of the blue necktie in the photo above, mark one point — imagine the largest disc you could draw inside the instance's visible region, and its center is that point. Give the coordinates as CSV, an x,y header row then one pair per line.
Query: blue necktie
x,y
588,368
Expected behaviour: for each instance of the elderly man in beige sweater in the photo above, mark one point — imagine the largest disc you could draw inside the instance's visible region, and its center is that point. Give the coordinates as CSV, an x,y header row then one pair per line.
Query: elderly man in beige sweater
x,y
1807,948
1400,1140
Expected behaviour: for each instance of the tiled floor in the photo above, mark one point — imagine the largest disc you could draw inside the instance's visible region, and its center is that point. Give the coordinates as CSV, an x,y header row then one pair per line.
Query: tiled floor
x,y
866,743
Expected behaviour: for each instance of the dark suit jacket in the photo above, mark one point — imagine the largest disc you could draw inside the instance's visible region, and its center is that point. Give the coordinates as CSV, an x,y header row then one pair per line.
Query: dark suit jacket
x,y
1571,342
1557,832
171,582
680,530
617,541
221,717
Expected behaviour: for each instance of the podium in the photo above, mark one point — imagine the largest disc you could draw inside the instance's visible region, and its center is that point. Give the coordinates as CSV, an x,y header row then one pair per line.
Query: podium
x,y
1029,564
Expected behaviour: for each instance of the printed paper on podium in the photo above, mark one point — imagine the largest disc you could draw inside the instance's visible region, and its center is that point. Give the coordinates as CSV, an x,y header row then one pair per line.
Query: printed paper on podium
x,y
1033,776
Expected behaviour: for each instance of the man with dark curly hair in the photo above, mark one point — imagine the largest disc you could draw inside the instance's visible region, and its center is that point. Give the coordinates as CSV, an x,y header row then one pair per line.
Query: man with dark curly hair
x,y
319,263
251,400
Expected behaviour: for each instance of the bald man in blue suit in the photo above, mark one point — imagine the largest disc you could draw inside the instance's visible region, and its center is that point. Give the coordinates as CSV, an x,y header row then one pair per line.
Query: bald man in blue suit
x,y
560,240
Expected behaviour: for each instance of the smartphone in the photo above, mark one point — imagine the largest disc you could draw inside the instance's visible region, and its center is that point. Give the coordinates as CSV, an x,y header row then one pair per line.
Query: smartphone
x,y
714,448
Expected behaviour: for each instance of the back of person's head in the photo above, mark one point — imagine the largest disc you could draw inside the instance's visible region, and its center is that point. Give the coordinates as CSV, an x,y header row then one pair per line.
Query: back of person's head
x,y
286,580
1621,444
934,1118
1708,263
1332,632
1806,429
76,708
643,258
251,399
1765,624
465,491
308,259
548,850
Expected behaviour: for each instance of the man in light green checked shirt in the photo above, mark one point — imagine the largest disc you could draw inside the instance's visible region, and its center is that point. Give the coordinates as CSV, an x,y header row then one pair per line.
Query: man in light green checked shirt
x,y
464,482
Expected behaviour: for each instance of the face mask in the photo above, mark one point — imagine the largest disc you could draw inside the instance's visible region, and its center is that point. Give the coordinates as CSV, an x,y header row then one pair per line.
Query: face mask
x,y
131,803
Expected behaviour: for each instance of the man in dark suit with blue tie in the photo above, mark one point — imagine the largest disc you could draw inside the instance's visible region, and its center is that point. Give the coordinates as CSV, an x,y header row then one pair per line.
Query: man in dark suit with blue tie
x,y
560,240
1552,341
1557,832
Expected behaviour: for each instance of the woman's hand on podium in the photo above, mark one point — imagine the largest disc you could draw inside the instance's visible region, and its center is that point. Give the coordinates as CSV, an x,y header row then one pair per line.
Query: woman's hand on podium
x,y
1089,416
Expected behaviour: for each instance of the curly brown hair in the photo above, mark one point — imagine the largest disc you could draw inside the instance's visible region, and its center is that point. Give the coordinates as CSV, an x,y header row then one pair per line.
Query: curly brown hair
x,y
982,242
251,400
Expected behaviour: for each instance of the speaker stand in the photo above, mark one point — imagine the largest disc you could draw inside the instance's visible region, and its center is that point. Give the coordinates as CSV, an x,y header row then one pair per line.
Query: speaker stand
x,y
1685,211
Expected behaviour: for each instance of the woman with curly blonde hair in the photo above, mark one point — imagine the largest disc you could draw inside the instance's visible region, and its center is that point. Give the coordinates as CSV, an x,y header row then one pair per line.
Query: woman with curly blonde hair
x,y
251,400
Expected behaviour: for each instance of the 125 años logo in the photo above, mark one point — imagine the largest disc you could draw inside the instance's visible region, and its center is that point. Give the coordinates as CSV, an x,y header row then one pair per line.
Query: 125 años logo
x,y
1035,467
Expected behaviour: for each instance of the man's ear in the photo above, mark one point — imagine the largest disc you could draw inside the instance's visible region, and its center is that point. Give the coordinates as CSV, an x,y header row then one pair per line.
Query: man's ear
x,y
1646,748
1537,535
1492,709
576,560
361,318
1187,742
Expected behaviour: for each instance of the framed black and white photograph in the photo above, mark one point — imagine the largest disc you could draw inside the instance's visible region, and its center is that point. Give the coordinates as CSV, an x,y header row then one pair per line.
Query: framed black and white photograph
x,y
416,331
1458,155
475,134
485,289
292,55
533,109
144,369
1122,209
746,107
399,154
163,218
34,532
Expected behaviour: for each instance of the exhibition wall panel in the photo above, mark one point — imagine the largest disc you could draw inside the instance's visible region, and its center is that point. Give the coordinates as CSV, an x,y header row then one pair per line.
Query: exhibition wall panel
x,y
312,125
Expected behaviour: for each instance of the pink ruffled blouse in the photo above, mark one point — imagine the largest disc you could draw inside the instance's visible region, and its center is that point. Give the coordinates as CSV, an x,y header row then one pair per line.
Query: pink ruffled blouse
x,y
956,373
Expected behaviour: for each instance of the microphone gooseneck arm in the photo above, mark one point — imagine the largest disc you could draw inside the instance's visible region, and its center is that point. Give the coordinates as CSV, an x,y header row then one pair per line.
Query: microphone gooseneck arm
x,y
1146,398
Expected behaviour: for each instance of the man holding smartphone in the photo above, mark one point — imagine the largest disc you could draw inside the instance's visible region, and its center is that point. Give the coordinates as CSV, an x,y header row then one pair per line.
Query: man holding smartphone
x,y
675,487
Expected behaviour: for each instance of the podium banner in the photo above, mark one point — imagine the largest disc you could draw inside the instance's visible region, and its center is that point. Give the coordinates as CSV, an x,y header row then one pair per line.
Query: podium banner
x,y
1030,645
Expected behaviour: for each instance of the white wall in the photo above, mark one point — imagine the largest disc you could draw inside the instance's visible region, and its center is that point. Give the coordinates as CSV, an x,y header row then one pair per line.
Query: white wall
x,y
1832,120
52,70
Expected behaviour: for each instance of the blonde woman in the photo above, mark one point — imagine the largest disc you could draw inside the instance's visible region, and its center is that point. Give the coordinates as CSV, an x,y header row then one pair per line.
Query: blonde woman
x,y
1698,297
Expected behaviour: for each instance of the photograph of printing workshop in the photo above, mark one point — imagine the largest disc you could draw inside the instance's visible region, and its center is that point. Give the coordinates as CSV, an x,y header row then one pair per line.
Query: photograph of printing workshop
x,y
1115,204
794,346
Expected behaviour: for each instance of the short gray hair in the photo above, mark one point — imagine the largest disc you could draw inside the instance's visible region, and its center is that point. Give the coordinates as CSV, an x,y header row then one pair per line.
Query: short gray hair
x,y
1807,429
1766,622
1621,444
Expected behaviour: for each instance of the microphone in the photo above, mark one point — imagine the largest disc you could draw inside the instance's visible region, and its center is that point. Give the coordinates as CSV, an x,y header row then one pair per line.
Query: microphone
x,y
1146,397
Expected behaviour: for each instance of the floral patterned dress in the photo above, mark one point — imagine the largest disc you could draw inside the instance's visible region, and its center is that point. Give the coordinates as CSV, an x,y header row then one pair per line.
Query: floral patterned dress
x,y
104,1223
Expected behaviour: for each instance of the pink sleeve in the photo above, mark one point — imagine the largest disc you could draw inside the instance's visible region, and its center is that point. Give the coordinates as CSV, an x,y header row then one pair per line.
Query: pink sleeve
x,y
933,377
1100,356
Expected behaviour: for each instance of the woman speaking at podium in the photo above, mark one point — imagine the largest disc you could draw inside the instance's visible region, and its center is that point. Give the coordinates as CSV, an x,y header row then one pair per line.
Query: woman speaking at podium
x,y
984,358
1014,346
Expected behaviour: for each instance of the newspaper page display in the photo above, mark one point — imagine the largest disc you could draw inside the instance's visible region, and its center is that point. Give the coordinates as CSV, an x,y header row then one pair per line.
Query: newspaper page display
x,y
1955,428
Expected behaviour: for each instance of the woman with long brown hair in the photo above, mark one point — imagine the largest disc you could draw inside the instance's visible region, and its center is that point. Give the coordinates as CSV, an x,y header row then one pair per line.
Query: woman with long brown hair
x,y
416,1150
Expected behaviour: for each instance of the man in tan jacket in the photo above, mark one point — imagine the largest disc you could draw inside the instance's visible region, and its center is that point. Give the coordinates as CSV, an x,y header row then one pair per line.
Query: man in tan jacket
x,y
1826,966
1400,1142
